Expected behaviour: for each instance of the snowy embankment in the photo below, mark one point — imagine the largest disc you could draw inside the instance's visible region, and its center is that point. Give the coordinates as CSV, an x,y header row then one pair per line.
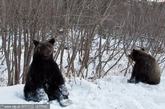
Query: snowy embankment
x,y
107,93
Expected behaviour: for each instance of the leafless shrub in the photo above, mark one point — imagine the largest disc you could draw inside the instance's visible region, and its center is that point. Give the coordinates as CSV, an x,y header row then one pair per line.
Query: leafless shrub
x,y
89,33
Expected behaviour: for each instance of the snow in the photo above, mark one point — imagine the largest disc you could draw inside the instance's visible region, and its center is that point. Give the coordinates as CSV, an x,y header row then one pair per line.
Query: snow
x,y
107,93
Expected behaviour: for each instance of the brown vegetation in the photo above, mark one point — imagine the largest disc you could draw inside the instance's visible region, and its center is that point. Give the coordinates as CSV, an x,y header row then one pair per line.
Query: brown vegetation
x,y
74,24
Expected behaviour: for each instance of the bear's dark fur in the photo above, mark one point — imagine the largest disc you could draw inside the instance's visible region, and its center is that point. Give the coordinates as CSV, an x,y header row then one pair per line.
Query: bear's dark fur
x,y
43,73
145,69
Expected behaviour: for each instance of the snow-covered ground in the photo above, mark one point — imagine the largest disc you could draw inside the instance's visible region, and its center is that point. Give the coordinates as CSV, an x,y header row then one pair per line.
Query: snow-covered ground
x,y
108,93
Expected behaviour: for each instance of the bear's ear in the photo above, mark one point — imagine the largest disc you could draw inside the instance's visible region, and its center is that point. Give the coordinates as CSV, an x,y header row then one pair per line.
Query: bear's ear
x,y
133,50
35,42
52,41
142,49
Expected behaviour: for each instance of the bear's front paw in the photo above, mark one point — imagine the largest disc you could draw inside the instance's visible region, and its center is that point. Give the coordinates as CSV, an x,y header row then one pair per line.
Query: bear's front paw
x,y
65,102
131,81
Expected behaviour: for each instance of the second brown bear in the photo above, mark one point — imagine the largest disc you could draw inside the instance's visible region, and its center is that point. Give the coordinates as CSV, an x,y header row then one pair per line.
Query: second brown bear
x,y
145,69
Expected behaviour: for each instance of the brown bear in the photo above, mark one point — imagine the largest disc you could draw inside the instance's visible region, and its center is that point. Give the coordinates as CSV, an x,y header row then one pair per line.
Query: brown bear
x,y
44,73
145,69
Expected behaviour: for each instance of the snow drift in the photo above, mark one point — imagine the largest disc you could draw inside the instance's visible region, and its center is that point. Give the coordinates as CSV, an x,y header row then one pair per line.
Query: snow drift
x,y
108,93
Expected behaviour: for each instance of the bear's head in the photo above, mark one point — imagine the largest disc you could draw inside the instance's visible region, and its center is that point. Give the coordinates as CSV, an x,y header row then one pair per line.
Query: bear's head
x,y
136,55
44,50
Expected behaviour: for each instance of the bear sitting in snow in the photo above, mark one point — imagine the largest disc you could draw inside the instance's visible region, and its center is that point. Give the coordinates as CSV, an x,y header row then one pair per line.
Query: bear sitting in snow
x,y
44,73
146,69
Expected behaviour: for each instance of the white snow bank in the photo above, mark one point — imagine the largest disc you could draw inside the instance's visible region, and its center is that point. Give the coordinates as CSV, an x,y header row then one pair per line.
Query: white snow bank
x,y
107,93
